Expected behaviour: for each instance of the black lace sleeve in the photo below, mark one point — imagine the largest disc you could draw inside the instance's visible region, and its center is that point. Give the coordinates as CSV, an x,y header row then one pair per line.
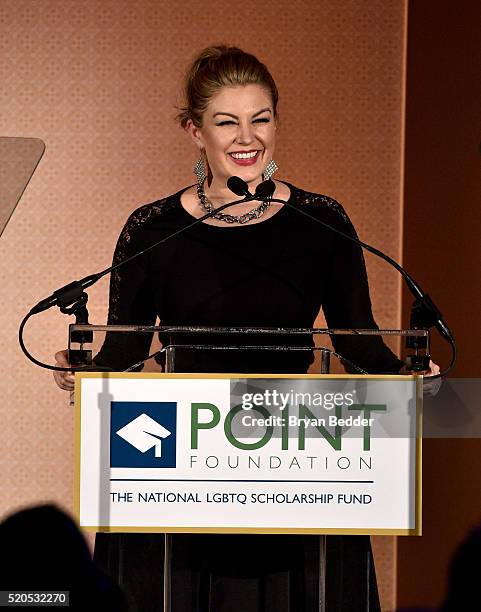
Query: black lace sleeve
x,y
347,303
130,299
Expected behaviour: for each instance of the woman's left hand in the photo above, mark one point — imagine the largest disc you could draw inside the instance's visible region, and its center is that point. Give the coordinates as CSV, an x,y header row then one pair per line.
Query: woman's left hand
x,y
433,369
431,387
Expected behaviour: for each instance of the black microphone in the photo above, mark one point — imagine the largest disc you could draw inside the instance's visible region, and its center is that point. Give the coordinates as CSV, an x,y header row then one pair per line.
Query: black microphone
x,y
66,295
265,190
238,186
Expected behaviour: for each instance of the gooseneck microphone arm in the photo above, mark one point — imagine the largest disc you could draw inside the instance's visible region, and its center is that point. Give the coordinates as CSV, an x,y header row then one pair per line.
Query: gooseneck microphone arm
x,y
425,313
68,294
74,293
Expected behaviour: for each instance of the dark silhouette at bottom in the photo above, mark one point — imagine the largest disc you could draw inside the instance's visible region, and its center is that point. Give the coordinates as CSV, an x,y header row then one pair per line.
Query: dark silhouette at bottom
x,y
43,550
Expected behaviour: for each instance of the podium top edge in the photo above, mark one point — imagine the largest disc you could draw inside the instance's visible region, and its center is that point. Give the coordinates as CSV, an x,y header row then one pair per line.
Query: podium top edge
x,y
194,329
223,375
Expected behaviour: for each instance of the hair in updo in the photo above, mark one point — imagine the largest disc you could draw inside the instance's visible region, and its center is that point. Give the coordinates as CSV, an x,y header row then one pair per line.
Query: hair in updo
x,y
217,67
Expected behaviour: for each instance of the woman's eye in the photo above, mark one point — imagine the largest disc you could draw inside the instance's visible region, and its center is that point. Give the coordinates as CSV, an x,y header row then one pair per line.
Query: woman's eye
x,y
231,122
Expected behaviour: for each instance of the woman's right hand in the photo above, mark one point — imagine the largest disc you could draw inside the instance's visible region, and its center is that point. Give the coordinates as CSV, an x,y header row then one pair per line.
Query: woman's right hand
x,y
64,380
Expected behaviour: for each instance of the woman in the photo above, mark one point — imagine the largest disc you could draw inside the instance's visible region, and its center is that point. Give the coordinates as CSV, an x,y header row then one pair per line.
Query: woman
x,y
255,264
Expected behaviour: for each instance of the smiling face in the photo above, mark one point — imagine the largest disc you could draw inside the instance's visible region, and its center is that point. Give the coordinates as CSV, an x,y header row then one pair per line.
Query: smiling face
x,y
237,133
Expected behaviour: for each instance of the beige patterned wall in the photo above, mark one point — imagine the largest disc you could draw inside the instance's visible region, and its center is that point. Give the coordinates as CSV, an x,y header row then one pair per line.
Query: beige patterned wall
x,y
98,81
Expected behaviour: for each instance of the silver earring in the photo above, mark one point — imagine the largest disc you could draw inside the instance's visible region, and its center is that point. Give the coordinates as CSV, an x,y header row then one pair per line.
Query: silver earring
x,y
199,170
270,169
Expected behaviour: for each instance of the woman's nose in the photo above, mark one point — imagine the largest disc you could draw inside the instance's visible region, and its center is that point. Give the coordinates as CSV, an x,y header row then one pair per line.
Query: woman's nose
x,y
245,133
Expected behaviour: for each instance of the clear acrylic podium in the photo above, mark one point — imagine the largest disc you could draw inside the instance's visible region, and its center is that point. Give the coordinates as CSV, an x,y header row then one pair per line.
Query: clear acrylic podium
x,y
319,573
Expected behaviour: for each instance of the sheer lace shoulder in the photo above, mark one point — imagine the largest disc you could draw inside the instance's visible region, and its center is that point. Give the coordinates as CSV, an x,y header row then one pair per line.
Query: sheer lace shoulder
x,y
146,214
317,201
142,217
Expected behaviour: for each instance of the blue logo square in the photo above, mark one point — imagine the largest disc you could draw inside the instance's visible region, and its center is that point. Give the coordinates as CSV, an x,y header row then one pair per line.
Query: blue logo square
x,y
143,434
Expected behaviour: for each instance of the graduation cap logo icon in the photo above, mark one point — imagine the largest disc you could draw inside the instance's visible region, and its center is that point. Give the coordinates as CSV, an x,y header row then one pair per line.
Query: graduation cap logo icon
x,y
144,433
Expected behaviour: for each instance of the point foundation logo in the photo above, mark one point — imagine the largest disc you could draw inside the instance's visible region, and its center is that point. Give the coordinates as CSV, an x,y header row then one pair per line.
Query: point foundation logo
x,y
143,434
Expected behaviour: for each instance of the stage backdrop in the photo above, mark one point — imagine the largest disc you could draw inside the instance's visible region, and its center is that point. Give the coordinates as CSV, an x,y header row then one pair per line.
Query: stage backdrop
x,y
98,81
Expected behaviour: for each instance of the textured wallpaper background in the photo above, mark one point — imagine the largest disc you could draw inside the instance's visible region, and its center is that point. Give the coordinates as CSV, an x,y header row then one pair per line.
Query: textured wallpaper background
x,y
98,82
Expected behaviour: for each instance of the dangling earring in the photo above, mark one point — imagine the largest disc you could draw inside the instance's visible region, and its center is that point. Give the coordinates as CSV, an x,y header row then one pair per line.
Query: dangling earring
x,y
199,169
269,170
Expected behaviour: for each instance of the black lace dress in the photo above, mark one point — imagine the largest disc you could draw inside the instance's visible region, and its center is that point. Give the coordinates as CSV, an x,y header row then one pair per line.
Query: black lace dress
x,y
276,273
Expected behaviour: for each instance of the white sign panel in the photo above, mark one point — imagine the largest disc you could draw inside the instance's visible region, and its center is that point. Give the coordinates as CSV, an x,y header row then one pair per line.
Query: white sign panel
x,y
260,454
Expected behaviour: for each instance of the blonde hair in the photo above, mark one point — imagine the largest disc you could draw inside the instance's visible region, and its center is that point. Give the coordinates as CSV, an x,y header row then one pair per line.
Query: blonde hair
x,y
217,67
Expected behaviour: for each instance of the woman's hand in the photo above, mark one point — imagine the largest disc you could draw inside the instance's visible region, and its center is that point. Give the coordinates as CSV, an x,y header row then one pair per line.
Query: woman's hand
x,y
64,380
431,387
433,369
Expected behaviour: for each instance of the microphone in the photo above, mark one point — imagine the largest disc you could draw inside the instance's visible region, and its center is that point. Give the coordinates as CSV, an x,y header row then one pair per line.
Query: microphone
x,y
263,191
238,186
66,295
